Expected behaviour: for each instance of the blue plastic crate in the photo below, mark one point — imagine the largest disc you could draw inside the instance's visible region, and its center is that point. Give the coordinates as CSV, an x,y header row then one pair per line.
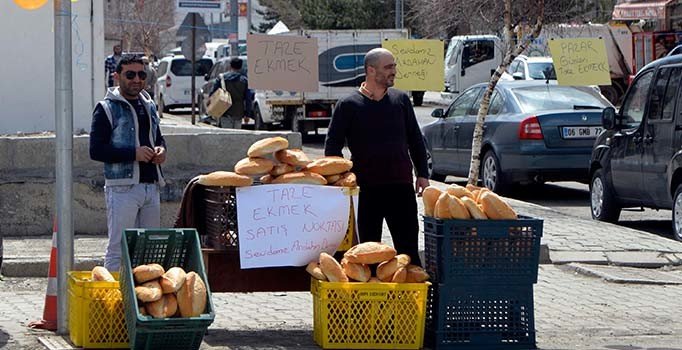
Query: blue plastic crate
x,y
476,317
502,252
168,248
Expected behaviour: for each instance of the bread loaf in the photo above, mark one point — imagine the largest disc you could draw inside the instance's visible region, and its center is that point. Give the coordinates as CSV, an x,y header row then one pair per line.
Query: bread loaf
x,y
480,193
314,270
457,209
474,210
253,166
358,272
416,274
142,310
430,196
192,296
369,253
374,280
442,208
281,169
300,177
459,191
294,156
172,280
267,146
472,188
267,179
167,306
332,269
496,208
99,273
225,178
149,291
330,165
144,273
400,275
387,269
347,179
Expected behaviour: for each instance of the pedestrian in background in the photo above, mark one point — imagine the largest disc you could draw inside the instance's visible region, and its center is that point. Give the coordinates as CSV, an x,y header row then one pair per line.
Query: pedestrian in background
x,y
380,128
150,82
126,136
110,65
237,85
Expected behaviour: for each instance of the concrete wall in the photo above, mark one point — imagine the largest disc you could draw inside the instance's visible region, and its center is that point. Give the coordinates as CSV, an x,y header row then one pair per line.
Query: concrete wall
x,y
27,171
27,65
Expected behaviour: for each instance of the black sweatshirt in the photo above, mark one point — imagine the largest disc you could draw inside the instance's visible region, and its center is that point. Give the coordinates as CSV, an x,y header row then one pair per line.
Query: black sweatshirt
x,y
383,137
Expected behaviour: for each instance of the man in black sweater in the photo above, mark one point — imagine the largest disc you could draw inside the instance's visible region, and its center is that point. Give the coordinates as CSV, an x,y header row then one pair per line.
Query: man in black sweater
x,y
384,139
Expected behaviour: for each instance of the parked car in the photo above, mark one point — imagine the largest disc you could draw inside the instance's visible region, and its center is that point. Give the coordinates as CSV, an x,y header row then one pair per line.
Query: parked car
x,y
174,81
636,161
535,131
530,68
221,66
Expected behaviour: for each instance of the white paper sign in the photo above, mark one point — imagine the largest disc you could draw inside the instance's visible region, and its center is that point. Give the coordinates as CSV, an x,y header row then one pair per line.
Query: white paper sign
x,y
289,224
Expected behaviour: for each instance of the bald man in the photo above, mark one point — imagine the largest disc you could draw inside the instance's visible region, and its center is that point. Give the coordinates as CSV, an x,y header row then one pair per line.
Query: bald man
x,y
379,126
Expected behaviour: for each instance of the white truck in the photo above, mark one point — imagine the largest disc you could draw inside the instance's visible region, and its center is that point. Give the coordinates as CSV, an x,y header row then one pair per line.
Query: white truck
x,y
469,60
341,69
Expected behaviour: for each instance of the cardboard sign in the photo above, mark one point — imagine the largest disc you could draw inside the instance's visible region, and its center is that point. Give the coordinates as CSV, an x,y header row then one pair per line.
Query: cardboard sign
x,y
283,62
580,61
289,224
420,64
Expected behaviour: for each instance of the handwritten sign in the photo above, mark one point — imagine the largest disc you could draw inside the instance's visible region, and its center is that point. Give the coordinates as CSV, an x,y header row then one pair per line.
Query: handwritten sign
x,y
419,64
283,62
580,61
289,224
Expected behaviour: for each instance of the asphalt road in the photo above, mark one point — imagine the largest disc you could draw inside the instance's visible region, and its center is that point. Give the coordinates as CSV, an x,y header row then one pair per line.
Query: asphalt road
x,y
571,198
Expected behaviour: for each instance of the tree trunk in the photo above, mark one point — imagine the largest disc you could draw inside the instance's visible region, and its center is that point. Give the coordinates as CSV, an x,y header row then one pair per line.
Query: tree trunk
x,y
476,144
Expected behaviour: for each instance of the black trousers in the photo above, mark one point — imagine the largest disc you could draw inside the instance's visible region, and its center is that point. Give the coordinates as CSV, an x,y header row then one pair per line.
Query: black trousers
x,y
397,204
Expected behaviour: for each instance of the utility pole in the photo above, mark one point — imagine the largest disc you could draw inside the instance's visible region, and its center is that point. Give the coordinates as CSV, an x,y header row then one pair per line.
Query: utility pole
x,y
194,63
398,14
234,24
64,154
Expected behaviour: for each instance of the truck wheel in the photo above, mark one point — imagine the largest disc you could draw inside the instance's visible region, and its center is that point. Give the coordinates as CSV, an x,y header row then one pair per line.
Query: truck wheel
x,y
611,93
258,120
602,201
677,215
417,98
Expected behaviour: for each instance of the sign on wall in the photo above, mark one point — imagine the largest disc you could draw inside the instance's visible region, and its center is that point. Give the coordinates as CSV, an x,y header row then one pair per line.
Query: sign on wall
x,y
580,61
420,64
200,6
283,62
289,224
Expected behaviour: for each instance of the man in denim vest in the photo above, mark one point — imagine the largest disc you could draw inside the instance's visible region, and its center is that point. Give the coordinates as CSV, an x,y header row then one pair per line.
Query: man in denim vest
x,y
126,137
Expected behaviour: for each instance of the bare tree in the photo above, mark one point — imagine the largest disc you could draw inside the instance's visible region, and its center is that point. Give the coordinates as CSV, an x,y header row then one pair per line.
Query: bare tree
x,y
511,53
138,23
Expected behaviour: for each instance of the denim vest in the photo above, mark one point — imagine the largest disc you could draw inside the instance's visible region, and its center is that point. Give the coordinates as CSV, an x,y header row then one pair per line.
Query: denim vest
x,y
124,126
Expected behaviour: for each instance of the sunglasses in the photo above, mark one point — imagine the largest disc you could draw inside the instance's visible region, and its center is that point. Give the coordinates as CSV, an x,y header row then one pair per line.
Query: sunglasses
x,y
130,75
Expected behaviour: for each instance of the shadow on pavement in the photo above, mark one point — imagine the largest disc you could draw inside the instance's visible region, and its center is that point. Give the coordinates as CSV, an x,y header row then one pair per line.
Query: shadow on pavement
x,y
261,339
4,338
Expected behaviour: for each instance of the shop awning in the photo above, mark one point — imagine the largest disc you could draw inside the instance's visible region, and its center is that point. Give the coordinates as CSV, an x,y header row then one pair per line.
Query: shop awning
x,y
641,10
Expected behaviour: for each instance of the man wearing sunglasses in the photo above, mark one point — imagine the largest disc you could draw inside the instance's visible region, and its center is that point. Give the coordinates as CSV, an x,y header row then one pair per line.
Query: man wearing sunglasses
x,y
125,136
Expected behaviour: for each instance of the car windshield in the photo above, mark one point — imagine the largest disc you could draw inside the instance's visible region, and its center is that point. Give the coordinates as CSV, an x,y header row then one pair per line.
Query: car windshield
x,y
538,98
183,67
541,70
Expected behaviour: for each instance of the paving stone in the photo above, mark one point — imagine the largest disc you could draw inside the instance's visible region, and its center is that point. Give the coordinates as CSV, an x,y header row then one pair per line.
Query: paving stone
x,y
619,274
637,258
587,257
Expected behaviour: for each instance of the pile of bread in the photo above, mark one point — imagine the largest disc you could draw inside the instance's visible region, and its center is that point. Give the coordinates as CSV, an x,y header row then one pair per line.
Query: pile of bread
x,y
470,202
162,294
354,266
272,162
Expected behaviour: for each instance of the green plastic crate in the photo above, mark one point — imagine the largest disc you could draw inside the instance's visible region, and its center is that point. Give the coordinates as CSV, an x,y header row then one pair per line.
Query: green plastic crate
x,y
169,248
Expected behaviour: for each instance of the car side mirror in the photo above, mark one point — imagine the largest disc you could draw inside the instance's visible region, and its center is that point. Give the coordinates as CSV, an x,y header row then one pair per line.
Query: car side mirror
x,y
206,77
608,118
438,113
518,76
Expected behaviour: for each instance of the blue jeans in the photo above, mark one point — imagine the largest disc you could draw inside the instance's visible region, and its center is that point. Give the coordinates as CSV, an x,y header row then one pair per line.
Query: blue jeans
x,y
129,206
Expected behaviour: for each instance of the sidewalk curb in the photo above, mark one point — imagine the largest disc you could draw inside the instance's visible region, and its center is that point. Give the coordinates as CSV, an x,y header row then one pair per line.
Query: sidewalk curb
x,y
615,275
32,267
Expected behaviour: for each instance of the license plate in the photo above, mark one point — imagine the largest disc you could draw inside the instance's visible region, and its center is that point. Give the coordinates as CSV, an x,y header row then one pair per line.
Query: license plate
x,y
187,92
580,132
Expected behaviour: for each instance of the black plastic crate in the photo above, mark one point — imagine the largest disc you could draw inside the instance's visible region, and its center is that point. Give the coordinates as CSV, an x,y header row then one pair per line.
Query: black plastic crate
x,y
476,317
503,252
169,248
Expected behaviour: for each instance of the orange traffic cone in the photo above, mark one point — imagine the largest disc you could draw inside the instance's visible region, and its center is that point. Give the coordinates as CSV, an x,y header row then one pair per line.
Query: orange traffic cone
x,y
49,320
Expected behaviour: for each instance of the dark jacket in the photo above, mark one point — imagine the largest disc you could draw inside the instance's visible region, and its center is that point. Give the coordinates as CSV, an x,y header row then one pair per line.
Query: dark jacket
x,y
238,86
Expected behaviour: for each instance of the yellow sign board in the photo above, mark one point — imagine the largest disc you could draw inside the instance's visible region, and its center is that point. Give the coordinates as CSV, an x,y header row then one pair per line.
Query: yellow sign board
x,y
420,64
580,61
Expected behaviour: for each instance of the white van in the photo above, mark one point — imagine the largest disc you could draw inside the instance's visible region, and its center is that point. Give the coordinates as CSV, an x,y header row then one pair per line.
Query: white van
x,y
471,59
174,82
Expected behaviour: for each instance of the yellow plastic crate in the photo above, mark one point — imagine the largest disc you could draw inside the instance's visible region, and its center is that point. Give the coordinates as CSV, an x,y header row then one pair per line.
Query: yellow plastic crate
x,y
357,315
96,318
